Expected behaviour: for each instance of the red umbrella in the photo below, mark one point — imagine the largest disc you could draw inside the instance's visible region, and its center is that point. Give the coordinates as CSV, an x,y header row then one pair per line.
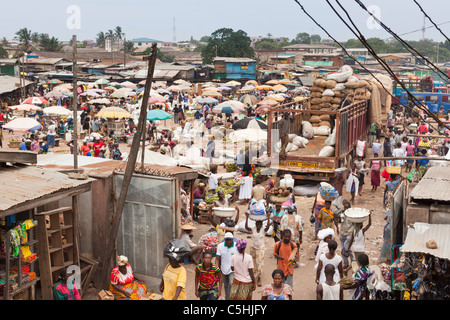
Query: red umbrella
x,y
35,100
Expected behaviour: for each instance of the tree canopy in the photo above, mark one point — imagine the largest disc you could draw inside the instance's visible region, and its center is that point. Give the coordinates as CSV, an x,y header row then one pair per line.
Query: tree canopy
x,y
225,42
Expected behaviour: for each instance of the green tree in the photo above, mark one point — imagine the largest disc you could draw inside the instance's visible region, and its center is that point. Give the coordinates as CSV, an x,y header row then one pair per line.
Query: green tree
x,y
100,40
3,52
129,47
51,44
24,36
225,42
315,38
267,44
302,37
161,55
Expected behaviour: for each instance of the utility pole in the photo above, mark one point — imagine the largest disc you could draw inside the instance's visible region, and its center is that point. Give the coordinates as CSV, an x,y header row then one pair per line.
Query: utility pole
x,y
104,266
75,103
124,51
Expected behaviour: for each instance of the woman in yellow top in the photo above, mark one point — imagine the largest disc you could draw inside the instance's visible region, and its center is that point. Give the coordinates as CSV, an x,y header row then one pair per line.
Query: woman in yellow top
x,y
327,218
173,283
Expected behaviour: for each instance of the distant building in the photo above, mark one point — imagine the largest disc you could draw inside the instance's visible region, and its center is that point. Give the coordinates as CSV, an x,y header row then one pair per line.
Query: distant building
x,y
234,68
310,48
287,58
9,67
323,59
143,43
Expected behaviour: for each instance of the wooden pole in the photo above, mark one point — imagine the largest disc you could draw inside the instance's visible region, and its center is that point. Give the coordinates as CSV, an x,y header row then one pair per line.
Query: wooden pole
x,y
426,136
110,241
75,104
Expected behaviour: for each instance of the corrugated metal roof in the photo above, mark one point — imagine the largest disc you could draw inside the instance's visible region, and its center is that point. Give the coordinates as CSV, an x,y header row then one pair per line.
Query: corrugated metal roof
x,y
8,83
19,185
435,185
417,237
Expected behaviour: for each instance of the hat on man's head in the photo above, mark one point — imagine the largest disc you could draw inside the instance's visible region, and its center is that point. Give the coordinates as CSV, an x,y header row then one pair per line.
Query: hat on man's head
x,y
229,235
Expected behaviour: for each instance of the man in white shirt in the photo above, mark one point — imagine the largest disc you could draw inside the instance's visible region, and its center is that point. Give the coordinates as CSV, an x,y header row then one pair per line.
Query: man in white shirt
x,y
196,250
225,251
399,152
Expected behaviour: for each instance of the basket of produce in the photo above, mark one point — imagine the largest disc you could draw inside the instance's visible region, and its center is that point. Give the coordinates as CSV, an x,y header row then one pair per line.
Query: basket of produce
x,y
224,212
209,242
257,211
357,215
279,194
394,170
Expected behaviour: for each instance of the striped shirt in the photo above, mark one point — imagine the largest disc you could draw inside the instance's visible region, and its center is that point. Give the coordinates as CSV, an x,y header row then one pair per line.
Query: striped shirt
x,y
208,279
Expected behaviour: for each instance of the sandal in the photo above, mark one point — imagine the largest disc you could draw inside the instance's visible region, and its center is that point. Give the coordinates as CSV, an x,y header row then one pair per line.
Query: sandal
x,y
259,284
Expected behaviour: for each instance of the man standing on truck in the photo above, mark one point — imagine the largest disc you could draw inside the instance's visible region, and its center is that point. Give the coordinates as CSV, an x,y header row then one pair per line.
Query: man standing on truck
x,y
283,127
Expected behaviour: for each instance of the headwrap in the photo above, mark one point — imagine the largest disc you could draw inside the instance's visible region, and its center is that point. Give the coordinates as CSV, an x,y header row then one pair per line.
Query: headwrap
x,y
122,260
241,244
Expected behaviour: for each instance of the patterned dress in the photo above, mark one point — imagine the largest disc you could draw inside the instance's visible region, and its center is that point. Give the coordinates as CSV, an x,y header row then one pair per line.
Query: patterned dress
x,y
127,283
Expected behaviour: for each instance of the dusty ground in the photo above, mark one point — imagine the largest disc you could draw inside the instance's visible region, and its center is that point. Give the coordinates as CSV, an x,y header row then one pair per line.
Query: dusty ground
x,y
304,276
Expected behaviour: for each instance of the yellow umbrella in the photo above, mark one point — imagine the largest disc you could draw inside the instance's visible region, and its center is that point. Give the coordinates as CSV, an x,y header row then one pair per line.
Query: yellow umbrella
x,y
113,112
280,88
253,82
211,94
263,87
284,81
273,81
275,97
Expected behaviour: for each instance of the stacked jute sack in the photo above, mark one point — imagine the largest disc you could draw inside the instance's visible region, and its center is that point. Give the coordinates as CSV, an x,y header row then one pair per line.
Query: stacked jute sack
x,y
328,92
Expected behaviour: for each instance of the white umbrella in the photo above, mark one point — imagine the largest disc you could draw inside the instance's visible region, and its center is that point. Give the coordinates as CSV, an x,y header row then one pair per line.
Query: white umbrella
x,y
23,125
57,111
102,81
100,101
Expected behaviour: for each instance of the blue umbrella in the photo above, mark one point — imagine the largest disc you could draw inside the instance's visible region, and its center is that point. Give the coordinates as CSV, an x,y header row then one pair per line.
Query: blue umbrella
x,y
158,114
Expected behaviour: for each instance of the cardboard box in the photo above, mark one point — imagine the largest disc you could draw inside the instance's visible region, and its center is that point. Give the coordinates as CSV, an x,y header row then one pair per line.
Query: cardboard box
x,y
105,295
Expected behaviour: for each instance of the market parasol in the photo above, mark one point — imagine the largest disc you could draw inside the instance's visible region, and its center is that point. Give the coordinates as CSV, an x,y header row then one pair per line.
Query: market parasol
x,y
117,94
158,114
55,94
208,100
247,123
100,101
279,88
229,107
233,83
23,125
57,111
128,84
89,93
251,82
113,112
262,109
211,94
264,87
25,107
267,102
54,81
247,88
35,100
101,81
248,99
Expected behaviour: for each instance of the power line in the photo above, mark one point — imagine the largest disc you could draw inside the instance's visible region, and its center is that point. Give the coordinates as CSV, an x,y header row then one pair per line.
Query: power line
x,y
435,25
417,30
348,54
382,62
406,45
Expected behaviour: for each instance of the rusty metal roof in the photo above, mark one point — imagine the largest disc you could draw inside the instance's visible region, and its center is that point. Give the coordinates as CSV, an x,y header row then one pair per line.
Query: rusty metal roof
x,y
435,185
22,184
421,232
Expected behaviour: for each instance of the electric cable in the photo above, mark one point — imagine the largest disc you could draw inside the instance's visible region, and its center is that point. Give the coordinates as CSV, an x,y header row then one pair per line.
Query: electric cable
x,y
406,45
435,25
382,62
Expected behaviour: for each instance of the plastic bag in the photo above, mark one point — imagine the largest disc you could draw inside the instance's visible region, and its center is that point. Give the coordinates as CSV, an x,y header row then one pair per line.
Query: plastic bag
x,y
177,249
360,148
307,130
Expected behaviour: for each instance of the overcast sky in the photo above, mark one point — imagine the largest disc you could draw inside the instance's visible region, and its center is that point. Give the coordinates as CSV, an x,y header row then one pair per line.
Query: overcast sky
x,y
197,18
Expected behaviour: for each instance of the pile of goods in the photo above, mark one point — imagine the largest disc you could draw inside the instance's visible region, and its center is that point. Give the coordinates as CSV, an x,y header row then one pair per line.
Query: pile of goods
x,y
257,210
209,242
328,192
328,92
346,282
279,194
